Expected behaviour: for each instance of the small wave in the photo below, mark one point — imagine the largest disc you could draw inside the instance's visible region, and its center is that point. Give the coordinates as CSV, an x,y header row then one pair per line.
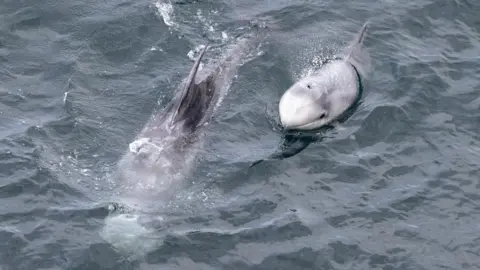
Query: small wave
x,y
209,25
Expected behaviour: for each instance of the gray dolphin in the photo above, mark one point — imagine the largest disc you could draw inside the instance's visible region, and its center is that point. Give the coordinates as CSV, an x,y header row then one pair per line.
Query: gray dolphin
x,y
162,155
325,95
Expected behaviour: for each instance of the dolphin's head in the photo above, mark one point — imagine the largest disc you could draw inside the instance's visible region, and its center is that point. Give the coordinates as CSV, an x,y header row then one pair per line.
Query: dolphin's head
x,y
305,105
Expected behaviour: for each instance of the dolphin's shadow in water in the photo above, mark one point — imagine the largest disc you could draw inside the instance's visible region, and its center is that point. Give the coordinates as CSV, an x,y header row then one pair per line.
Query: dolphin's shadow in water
x,y
295,141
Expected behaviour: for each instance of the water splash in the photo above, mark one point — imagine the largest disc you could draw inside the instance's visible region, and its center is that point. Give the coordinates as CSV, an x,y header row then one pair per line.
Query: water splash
x,y
165,10
208,23
191,54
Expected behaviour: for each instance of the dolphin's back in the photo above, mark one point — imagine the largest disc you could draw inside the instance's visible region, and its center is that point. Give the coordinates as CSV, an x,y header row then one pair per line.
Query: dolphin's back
x,y
203,97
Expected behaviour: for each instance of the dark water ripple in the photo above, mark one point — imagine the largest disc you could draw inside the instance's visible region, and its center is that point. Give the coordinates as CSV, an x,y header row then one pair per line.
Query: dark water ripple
x,y
394,187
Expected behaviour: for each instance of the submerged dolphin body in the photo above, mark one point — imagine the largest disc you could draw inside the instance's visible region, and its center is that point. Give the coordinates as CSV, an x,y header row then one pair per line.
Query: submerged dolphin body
x,y
163,154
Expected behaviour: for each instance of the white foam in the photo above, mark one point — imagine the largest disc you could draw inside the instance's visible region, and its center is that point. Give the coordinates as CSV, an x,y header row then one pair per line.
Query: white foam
x,y
165,10
224,35
207,23
191,54
137,144
65,97
153,49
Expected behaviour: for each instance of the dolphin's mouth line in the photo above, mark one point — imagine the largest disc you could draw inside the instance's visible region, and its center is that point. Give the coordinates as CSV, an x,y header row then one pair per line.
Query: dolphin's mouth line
x,y
302,132
278,127
303,127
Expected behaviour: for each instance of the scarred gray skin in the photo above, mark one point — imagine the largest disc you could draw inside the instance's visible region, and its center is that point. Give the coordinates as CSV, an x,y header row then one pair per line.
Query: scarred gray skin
x,y
158,155
323,96
163,153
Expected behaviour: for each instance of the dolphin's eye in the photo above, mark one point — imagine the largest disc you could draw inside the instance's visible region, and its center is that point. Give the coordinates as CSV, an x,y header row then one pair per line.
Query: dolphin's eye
x,y
309,86
322,115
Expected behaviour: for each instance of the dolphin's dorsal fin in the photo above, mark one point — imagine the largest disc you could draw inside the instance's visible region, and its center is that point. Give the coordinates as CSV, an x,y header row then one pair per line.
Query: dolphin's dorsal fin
x,y
356,55
188,92
357,42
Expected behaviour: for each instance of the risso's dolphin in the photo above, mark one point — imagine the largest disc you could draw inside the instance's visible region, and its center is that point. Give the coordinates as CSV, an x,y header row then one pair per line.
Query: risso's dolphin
x,y
162,155
329,94
325,95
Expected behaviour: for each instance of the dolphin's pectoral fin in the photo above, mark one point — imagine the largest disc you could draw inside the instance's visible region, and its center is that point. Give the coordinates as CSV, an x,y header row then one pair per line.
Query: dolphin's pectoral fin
x,y
291,146
189,94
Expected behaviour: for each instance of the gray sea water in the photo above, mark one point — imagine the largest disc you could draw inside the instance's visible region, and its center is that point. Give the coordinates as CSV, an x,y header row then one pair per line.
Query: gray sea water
x,y
396,186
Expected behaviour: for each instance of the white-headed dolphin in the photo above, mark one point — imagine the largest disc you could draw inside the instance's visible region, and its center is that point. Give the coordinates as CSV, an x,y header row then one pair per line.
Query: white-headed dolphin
x,y
325,95
329,94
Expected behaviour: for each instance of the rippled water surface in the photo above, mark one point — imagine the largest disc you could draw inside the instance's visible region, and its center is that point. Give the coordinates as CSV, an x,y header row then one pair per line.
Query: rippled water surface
x,y
396,186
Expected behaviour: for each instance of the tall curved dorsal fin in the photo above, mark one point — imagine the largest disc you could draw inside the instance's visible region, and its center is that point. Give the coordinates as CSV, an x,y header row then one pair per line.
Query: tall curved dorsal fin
x,y
356,55
188,92
357,42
